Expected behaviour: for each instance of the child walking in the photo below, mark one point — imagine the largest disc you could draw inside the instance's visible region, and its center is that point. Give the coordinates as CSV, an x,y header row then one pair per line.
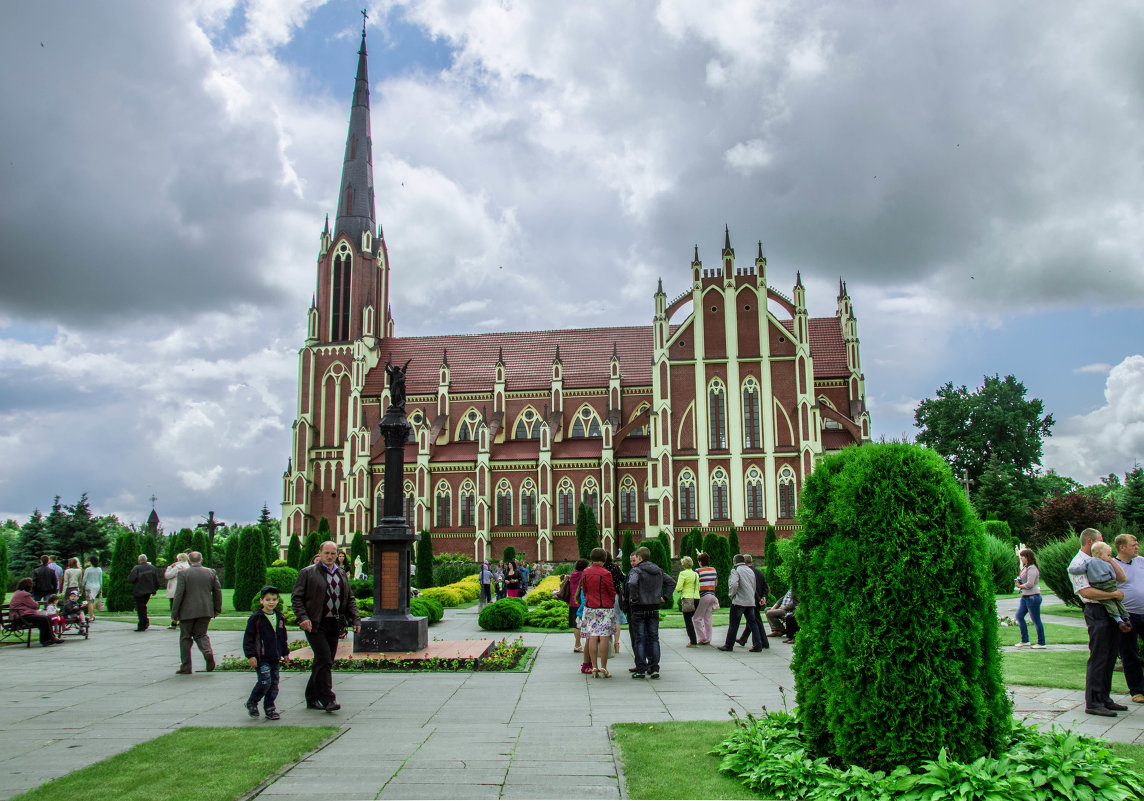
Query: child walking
x,y
264,646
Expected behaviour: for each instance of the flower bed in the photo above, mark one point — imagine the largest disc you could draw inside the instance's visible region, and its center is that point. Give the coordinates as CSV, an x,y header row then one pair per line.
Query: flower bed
x,y
505,655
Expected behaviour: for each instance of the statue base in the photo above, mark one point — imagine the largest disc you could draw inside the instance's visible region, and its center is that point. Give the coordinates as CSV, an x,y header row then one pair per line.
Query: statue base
x,y
400,632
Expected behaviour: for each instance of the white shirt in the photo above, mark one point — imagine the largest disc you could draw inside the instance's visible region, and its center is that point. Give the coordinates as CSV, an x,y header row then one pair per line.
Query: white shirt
x,y
1080,580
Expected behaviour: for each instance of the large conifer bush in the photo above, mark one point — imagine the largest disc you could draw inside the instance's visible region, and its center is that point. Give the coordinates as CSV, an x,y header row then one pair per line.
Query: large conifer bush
x,y
771,555
359,550
1003,563
733,541
627,548
897,656
201,542
294,553
587,535
3,569
424,577
1053,560
313,544
719,550
230,554
249,567
117,592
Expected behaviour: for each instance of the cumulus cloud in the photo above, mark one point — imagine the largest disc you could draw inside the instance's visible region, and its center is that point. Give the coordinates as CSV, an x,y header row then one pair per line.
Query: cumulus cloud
x,y
1107,439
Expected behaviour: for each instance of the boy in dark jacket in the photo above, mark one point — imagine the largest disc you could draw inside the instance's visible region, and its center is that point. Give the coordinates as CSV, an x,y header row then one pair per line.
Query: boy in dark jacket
x,y
264,645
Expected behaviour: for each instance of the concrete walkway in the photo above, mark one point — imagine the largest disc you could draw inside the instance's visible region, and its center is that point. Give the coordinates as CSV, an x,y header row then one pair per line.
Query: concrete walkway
x,y
542,734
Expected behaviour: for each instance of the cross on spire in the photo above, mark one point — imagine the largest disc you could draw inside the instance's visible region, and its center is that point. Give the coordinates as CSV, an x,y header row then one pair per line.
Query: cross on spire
x,y
153,499
364,17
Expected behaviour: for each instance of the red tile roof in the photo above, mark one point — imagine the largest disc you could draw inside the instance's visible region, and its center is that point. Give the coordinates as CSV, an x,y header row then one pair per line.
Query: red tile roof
x,y
836,439
581,448
633,448
826,346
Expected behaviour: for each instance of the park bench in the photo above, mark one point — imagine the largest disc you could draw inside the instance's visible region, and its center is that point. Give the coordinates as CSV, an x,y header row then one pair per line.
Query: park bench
x,y
12,627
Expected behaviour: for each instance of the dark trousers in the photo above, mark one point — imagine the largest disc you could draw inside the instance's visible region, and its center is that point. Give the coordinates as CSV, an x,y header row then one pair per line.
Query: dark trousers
x,y
1103,644
644,625
738,613
486,593
1130,654
689,625
323,641
41,622
194,629
754,626
266,686
141,611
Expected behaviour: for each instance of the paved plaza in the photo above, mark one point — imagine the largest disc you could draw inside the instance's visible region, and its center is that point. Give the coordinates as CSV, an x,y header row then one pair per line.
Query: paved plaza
x,y
542,734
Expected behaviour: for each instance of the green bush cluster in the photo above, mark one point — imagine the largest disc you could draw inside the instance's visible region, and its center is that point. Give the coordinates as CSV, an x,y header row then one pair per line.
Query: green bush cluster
x,y
719,550
249,567
503,615
1053,561
361,588
117,592
450,572
283,578
425,607
772,559
455,594
438,558
509,554
691,543
293,552
424,576
549,614
565,568
1003,561
897,658
1001,530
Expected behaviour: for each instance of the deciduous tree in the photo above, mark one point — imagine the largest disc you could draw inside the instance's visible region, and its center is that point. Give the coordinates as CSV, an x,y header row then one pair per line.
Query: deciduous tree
x,y
1131,504
1059,518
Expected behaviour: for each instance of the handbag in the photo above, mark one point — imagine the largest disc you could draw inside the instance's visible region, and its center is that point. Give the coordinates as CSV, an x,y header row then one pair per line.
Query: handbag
x,y
565,592
687,605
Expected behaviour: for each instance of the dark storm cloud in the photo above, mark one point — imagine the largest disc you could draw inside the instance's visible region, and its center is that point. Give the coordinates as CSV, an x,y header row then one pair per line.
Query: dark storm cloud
x,y
128,188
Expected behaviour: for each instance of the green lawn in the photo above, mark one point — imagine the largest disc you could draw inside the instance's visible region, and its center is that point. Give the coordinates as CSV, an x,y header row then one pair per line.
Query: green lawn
x,y
671,760
232,760
1055,634
1062,610
1063,669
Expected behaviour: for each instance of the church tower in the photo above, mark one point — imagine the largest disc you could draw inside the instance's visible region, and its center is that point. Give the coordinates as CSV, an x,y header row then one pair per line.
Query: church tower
x,y
327,474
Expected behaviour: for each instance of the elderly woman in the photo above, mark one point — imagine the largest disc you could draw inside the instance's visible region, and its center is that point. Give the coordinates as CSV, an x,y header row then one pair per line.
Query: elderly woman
x,y
598,624
171,574
23,607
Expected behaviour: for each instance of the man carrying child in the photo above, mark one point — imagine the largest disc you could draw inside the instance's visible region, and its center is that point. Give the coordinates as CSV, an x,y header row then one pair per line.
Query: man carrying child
x,y
1103,631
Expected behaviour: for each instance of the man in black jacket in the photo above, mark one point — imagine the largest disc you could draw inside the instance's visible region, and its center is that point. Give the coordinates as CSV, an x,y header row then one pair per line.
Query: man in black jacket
x,y
648,587
144,581
761,590
44,581
321,598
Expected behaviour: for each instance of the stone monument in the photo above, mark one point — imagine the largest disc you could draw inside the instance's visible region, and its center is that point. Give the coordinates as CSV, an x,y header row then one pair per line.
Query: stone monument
x,y
392,627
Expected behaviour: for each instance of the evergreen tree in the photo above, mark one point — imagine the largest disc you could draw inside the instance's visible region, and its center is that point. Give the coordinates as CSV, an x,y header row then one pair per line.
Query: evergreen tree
x,y
658,554
81,533
627,548
509,554
3,569
117,591
230,557
692,543
201,543
359,550
1003,492
587,536
733,541
424,561
183,540
55,529
718,549
1131,505
773,560
147,545
249,568
294,553
33,544
270,531
664,537
312,545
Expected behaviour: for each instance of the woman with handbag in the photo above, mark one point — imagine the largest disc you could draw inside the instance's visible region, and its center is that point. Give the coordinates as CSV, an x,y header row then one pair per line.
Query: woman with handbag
x,y
688,586
93,587
598,622
708,603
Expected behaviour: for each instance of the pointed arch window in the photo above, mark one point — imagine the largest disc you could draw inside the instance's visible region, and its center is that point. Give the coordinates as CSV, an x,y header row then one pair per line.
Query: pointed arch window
x,y
639,431
629,501
409,502
590,496
751,426
687,496
586,424
340,295
565,504
755,509
379,507
468,502
444,516
504,504
786,493
720,499
527,425
467,429
717,415
528,504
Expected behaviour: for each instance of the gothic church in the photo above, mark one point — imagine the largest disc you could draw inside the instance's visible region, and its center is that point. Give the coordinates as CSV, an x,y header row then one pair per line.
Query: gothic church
x,y
711,416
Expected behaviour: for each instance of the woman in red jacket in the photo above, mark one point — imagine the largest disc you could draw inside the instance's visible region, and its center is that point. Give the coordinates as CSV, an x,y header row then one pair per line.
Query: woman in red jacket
x,y
599,621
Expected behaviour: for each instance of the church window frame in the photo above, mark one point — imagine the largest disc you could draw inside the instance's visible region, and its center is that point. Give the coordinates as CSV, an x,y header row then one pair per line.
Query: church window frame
x,y
341,277
467,428
720,495
565,496
586,424
527,425
590,496
687,509
639,431
528,503
379,505
410,502
752,426
788,501
467,506
504,503
754,494
717,415
629,501
443,502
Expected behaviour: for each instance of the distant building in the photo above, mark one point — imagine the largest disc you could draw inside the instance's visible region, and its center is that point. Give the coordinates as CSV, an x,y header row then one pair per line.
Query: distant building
x,y
710,416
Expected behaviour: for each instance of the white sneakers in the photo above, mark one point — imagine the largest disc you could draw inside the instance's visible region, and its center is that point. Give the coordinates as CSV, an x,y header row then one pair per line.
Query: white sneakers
x,y
1022,645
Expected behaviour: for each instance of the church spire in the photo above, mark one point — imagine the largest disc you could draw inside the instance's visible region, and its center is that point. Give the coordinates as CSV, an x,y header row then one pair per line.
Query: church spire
x,y
355,195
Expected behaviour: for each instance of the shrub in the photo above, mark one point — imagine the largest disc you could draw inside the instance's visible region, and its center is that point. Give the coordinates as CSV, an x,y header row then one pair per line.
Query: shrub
x,y
424,575
771,555
283,601
469,590
897,658
312,545
565,568
361,588
543,591
548,614
3,568
117,592
294,553
201,543
436,610
627,548
451,557
282,577
1001,530
503,615
279,563
1004,564
787,553
664,537
448,596
448,572
720,552
658,554
733,541
249,566
509,554
692,543
1053,561
587,536
365,606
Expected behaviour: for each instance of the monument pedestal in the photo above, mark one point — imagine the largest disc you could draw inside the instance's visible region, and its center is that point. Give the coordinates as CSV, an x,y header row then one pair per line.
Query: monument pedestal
x,y
386,633
392,627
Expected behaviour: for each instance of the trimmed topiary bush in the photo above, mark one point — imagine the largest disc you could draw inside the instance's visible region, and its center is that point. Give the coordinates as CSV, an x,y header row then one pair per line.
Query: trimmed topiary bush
x,y
733,541
692,543
424,574
313,544
627,548
509,554
771,554
201,543
664,537
449,572
1000,529
503,615
717,548
448,596
249,567
548,614
294,553
436,610
1053,561
283,578
116,591
897,657
1004,564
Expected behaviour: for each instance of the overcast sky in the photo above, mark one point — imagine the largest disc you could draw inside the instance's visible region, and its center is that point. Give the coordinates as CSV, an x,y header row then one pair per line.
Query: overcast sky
x,y
974,171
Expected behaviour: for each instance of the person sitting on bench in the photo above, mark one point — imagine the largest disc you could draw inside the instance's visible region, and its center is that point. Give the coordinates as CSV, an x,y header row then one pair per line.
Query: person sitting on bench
x,y
24,607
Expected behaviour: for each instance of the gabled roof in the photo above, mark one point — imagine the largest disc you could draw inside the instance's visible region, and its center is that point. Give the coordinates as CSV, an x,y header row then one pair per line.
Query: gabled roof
x,y
826,346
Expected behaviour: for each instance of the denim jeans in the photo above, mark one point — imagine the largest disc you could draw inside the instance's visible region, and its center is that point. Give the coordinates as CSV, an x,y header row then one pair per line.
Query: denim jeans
x,y
1032,605
266,688
644,626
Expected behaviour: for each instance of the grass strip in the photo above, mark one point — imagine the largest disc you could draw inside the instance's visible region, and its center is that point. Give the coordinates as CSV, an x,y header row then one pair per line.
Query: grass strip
x,y
234,761
671,760
1062,669
1055,634
1062,610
